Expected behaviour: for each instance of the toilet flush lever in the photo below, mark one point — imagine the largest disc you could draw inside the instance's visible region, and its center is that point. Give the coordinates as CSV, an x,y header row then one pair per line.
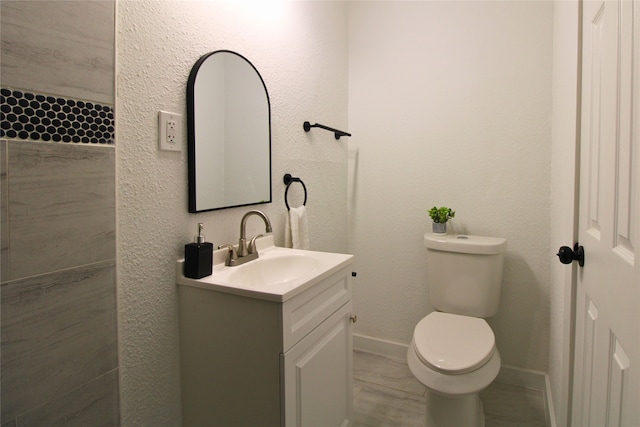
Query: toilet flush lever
x,y
567,256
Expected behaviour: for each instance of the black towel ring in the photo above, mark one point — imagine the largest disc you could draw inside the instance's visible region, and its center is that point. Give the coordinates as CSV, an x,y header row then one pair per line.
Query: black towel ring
x,y
288,179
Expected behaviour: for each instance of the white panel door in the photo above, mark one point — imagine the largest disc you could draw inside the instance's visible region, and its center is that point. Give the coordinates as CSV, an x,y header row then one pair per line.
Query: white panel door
x,y
606,388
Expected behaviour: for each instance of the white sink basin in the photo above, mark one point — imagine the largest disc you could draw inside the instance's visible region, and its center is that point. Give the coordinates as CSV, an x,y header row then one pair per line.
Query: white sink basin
x,y
277,275
274,270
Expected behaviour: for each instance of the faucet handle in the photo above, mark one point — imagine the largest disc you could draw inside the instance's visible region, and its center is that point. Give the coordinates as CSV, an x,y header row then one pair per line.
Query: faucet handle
x,y
252,244
231,255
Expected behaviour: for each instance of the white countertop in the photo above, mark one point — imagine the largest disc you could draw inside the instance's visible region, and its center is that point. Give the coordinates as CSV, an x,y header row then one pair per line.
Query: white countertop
x,y
325,264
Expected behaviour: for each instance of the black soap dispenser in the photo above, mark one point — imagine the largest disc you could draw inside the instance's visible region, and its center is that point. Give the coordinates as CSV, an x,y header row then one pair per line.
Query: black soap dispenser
x,y
198,257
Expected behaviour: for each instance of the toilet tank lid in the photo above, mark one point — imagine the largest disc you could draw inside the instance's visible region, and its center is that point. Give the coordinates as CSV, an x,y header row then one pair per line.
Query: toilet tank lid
x,y
465,243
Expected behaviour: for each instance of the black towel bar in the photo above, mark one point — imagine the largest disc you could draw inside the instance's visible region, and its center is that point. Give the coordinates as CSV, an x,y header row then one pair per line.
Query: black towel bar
x,y
337,133
288,179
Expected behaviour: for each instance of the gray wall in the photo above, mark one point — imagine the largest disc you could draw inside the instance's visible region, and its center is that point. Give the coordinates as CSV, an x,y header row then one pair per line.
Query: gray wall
x,y
59,339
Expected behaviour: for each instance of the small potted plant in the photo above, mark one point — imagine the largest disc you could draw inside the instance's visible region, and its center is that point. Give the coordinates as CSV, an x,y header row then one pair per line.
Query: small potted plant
x,y
440,216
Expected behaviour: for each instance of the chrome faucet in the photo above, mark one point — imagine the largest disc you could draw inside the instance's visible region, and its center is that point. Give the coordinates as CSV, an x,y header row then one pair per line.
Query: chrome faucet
x,y
245,253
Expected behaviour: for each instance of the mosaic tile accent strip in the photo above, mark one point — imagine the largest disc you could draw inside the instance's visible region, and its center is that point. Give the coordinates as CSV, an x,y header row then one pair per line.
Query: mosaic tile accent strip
x,y
25,115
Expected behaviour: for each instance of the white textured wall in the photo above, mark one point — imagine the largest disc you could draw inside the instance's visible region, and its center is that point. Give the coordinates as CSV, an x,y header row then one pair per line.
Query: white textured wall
x,y
449,104
300,49
563,170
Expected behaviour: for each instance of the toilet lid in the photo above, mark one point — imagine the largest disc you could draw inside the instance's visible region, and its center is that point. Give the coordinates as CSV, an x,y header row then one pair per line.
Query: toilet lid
x,y
452,343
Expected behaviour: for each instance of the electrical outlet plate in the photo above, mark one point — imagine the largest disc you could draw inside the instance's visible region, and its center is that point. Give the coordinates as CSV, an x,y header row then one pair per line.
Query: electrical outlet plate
x,y
169,131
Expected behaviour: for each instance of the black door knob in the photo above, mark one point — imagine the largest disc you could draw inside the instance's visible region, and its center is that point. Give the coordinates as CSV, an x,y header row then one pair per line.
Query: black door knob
x,y
568,255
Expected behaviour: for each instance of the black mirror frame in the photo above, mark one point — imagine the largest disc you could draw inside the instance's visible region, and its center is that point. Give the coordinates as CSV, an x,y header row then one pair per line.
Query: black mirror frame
x,y
191,138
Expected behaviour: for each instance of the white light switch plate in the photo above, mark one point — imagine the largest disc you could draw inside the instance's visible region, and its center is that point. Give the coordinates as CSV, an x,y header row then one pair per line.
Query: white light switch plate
x,y
169,131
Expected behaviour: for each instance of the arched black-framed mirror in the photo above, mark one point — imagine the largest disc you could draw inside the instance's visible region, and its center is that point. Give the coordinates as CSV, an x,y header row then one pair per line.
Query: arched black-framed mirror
x,y
229,131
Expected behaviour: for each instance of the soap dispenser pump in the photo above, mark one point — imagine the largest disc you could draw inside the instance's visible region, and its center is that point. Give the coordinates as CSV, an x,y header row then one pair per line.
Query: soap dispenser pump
x,y
198,257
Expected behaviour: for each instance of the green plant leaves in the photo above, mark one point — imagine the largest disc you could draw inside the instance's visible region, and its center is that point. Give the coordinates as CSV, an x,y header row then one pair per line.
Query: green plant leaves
x,y
442,214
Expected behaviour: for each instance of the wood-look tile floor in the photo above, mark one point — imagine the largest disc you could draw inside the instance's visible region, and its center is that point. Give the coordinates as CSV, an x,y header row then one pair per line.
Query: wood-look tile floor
x,y
387,394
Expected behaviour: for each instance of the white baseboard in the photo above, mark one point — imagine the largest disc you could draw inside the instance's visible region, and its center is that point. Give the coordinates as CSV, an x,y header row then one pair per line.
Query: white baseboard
x,y
379,346
548,401
512,375
531,379
522,377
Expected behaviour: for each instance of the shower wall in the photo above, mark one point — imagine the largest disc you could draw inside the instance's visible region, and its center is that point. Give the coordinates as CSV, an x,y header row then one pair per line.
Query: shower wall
x,y
59,339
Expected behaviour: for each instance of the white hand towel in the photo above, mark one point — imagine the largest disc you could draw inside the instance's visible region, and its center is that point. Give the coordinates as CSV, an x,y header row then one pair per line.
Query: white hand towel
x,y
296,234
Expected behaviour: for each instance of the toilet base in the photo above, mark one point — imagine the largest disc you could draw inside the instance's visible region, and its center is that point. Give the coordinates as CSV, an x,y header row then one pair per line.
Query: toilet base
x,y
459,411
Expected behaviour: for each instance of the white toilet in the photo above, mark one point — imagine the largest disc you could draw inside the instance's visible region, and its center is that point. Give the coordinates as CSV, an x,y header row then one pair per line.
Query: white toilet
x,y
453,351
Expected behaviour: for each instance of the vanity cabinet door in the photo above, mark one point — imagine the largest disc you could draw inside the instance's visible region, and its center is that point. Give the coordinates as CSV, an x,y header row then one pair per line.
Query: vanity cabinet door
x,y
318,375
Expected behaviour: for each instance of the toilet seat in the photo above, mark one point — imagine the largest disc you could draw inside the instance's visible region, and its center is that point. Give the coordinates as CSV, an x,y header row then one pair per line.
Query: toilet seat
x,y
453,344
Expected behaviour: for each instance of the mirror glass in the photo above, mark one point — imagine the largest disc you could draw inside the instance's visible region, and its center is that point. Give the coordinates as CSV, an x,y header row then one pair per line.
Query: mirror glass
x,y
229,120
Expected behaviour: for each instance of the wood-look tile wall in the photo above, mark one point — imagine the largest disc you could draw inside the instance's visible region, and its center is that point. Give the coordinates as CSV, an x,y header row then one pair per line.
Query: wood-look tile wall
x,y
58,335
59,349
61,200
59,47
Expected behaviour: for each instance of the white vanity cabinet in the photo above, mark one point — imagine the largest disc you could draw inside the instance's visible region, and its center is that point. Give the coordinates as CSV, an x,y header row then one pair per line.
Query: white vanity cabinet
x,y
266,359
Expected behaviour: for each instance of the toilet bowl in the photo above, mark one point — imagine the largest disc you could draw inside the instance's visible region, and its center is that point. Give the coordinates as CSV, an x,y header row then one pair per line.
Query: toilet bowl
x,y
454,357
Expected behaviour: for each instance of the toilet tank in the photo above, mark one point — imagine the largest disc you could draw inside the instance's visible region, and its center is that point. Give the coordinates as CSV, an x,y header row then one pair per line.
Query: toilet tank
x,y
464,273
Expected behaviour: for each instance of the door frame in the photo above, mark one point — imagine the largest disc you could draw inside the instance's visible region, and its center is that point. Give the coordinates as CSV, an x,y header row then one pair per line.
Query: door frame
x,y
568,229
